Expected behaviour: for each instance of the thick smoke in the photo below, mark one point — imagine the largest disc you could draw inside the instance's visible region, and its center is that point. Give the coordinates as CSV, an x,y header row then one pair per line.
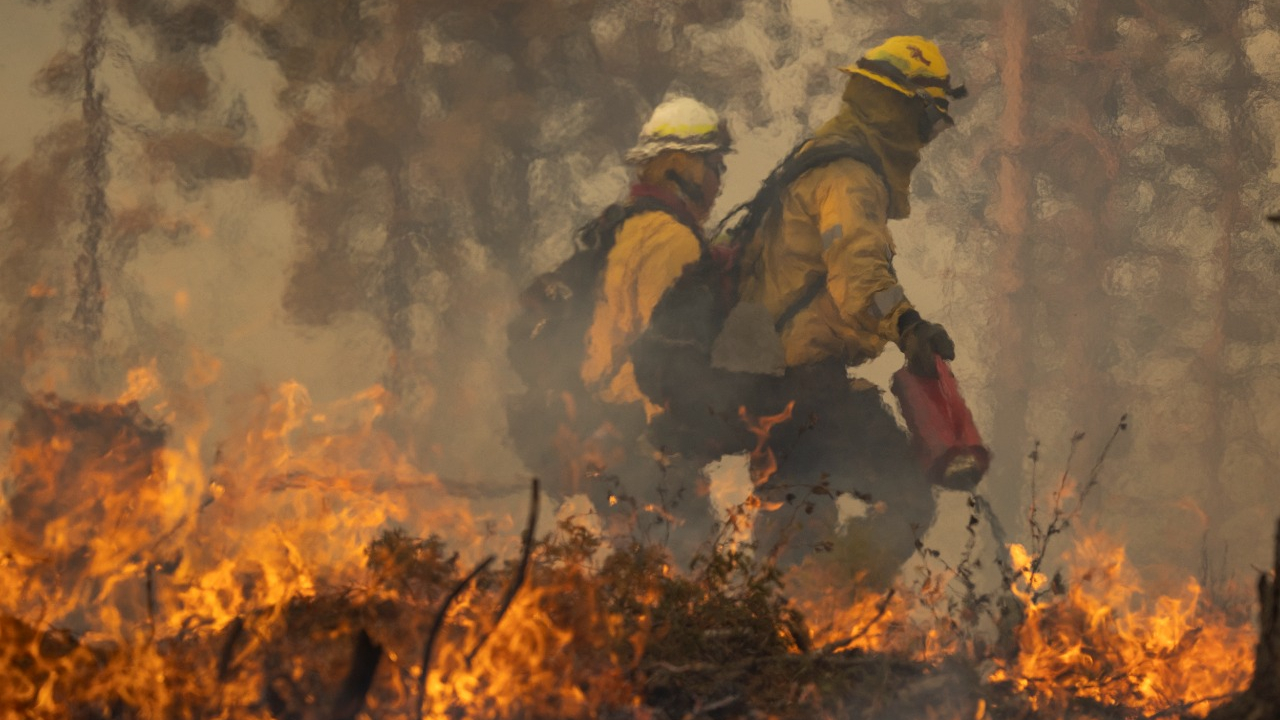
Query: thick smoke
x,y
352,193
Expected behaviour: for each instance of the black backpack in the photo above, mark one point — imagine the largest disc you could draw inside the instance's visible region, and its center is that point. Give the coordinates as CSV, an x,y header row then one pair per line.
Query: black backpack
x,y
546,345
673,358
546,339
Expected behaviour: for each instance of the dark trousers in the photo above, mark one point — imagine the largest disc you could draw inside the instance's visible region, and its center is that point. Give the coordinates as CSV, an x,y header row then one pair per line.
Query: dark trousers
x,y
839,439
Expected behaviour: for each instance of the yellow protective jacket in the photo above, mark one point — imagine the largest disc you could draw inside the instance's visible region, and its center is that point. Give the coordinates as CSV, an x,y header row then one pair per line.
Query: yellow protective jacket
x,y
651,251
832,221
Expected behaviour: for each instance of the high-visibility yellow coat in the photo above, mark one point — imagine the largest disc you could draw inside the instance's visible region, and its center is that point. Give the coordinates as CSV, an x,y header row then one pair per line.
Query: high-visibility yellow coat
x,y
832,222
650,252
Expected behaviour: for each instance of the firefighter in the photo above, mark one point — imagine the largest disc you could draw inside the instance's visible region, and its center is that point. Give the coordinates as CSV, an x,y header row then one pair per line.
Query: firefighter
x,y
678,161
821,264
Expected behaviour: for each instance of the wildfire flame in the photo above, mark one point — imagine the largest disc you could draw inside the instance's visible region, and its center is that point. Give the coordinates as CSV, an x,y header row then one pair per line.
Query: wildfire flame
x,y
763,462
137,573
1102,640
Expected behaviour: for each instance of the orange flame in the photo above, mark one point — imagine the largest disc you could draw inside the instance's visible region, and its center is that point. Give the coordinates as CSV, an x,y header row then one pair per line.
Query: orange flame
x,y
763,462
1101,640
185,579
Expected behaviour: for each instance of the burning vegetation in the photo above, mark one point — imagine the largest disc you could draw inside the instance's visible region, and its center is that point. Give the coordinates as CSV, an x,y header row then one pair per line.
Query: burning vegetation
x,y
429,155
286,589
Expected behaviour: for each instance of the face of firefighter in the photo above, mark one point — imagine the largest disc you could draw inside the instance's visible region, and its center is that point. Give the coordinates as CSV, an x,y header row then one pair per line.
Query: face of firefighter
x,y
714,167
934,119
695,175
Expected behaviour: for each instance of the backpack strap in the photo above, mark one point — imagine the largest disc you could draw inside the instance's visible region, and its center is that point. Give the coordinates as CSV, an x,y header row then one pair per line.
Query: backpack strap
x,y
812,288
600,233
802,158
644,203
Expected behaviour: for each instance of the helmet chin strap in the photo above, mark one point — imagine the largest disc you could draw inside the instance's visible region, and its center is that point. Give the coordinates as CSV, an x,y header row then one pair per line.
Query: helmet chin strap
x,y
932,121
934,108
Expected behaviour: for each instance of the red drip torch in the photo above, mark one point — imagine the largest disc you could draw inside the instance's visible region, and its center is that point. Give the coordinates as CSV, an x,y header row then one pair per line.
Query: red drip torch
x,y
946,441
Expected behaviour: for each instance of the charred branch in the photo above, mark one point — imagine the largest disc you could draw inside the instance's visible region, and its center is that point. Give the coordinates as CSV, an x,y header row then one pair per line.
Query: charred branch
x,y
881,608
226,654
1062,517
1262,699
1267,675
438,624
522,570
365,657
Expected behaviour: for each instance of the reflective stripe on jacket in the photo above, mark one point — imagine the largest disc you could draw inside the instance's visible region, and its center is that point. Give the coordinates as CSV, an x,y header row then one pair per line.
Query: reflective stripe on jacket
x,y
831,221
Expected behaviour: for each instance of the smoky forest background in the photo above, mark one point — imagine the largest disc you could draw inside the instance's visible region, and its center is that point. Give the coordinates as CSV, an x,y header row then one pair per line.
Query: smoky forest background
x,y
347,195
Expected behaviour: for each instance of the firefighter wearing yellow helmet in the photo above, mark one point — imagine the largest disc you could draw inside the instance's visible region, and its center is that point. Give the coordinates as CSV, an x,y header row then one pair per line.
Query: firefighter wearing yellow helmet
x,y
914,67
678,161
821,264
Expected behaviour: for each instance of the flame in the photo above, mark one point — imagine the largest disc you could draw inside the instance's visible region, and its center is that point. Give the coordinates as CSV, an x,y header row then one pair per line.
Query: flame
x,y
522,663
195,576
42,291
1101,640
119,530
906,621
310,499
763,462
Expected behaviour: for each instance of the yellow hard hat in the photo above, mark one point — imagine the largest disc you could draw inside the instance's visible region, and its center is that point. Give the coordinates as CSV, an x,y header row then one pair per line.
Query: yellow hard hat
x,y
681,123
911,65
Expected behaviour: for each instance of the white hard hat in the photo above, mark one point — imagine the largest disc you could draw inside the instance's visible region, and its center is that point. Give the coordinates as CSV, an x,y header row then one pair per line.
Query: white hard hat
x,y
681,124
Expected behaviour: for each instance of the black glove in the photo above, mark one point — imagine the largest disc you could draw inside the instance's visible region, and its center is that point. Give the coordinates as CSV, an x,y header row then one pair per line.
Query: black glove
x,y
920,341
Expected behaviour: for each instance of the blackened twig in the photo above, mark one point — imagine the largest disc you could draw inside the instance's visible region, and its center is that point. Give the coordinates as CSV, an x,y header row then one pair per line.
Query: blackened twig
x,y
993,522
1102,456
1034,457
1056,524
1268,661
1062,519
364,665
521,572
151,600
236,629
1181,708
881,608
438,623
155,546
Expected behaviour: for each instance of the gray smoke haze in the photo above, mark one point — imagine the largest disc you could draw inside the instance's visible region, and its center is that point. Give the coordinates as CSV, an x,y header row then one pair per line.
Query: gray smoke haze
x,y
352,193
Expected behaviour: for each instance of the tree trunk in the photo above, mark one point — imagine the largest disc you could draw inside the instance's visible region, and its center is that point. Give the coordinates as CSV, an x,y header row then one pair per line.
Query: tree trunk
x,y
1231,176
89,303
1012,302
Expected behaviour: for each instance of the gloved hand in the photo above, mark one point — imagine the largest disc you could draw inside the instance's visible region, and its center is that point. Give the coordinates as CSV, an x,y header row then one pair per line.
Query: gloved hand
x,y
920,341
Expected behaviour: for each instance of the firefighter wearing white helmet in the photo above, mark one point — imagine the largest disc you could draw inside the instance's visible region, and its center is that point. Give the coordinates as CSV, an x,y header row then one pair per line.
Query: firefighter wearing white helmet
x,y
678,161
682,124
821,263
